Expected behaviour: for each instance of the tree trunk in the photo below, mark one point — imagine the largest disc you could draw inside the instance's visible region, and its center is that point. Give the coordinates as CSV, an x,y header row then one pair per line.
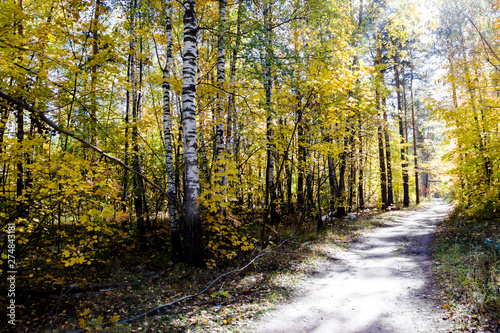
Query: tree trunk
x,y
340,195
206,169
332,178
390,192
385,165
93,76
301,159
126,159
21,205
167,131
220,145
289,179
231,104
404,163
381,157
309,185
193,238
318,194
135,99
268,85
361,198
455,105
417,190
352,170
179,175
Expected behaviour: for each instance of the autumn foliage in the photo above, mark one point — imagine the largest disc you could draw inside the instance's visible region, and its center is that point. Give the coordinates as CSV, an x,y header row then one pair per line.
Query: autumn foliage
x,y
251,119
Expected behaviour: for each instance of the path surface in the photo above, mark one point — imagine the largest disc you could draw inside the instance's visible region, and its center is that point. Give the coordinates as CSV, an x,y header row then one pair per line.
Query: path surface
x,y
382,284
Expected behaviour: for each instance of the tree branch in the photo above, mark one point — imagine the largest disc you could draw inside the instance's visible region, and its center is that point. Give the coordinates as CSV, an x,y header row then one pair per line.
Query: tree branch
x,y
61,130
485,41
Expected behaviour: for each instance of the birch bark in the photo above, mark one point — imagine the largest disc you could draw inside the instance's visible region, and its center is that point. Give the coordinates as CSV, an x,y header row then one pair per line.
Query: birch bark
x,y
167,131
193,238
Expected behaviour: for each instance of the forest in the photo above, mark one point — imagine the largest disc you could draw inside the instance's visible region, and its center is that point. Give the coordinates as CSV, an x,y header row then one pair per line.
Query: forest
x,y
143,138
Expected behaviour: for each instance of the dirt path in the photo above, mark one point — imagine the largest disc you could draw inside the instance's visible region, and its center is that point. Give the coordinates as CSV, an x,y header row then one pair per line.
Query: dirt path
x,y
382,284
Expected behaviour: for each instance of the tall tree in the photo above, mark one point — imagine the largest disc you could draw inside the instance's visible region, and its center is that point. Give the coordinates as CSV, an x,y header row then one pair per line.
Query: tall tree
x,y
267,58
193,236
135,103
400,102
415,153
167,130
378,105
220,144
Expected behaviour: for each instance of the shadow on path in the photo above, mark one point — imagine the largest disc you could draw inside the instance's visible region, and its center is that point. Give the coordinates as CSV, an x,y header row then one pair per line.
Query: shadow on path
x,y
382,284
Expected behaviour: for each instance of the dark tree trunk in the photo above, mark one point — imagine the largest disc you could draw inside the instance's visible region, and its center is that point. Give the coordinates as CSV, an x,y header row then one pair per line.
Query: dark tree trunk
x,y
404,162
20,185
378,104
93,79
220,119
340,195
417,189
138,182
361,198
390,192
231,115
352,172
289,173
127,123
332,178
301,159
318,194
268,86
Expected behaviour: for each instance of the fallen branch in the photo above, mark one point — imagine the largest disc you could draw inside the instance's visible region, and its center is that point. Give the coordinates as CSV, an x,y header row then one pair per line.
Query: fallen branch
x,y
61,130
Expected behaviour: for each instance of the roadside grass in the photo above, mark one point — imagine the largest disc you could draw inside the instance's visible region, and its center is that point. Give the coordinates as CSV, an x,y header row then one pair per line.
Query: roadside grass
x,y
230,305
467,252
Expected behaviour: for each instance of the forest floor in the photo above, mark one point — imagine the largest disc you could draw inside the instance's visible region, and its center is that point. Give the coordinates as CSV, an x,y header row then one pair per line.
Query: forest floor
x,y
383,283
370,274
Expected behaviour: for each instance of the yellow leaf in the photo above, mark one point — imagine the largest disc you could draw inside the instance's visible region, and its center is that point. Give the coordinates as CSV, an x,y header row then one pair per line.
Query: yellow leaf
x,y
107,212
114,319
82,323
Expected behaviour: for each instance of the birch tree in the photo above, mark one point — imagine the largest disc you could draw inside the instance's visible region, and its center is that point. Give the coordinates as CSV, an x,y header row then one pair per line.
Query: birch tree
x,y
167,130
193,240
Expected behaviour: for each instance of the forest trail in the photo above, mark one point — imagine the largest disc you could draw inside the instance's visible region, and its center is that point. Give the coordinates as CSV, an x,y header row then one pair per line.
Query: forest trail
x,y
382,284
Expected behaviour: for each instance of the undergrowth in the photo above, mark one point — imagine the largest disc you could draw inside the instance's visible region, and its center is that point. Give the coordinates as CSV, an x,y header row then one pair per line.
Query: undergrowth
x,y
467,251
139,283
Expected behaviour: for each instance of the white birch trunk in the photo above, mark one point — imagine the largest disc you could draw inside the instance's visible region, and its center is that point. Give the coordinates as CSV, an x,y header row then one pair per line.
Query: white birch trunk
x,y
193,239
167,130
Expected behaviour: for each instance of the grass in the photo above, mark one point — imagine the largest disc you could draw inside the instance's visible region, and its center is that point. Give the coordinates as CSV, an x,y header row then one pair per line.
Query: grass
x,y
468,264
